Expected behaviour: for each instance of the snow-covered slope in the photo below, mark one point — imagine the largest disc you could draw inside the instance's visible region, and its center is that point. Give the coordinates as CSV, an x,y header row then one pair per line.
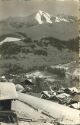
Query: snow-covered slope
x,y
63,114
9,39
58,19
48,18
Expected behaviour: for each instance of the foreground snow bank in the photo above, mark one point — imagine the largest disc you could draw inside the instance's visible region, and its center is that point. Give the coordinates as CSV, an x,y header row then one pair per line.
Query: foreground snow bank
x,y
63,114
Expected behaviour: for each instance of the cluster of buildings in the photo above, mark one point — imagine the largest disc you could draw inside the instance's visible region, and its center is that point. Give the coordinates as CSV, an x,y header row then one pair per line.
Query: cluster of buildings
x,y
65,96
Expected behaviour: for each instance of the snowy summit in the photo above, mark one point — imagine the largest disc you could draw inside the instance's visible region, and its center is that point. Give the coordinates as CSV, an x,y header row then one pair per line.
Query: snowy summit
x,y
41,14
42,17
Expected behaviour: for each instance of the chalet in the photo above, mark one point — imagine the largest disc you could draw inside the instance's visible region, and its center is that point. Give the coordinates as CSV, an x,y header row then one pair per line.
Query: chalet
x,y
27,85
27,82
76,98
48,95
7,95
63,98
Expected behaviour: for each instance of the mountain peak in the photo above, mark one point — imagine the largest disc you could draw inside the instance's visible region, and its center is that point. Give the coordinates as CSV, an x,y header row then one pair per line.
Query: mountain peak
x,y
46,16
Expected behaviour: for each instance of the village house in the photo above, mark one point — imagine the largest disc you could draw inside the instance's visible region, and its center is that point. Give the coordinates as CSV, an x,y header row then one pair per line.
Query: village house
x,y
7,95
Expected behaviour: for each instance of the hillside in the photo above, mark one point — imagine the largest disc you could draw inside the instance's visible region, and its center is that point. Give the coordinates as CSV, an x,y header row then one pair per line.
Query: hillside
x,y
28,53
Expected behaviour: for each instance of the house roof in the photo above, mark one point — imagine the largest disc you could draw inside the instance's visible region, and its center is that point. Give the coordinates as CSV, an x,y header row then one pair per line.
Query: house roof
x,y
74,89
63,95
7,91
77,98
76,105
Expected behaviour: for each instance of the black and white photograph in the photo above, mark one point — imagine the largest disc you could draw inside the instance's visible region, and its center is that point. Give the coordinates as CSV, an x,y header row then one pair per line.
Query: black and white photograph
x,y
39,62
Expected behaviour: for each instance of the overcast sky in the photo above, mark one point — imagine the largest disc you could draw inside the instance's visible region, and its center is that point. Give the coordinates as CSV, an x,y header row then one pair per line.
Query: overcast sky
x,y
27,7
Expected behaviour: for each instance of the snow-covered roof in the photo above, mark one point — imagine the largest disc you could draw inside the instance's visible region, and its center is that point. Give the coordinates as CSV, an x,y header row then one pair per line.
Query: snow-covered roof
x,y
46,93
74,89
63,95
76,105
19,88
7,91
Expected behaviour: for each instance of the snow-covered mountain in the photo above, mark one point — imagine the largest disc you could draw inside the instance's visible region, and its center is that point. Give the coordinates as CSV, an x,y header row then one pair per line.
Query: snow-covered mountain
x,y
46,16
41,24
42,17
